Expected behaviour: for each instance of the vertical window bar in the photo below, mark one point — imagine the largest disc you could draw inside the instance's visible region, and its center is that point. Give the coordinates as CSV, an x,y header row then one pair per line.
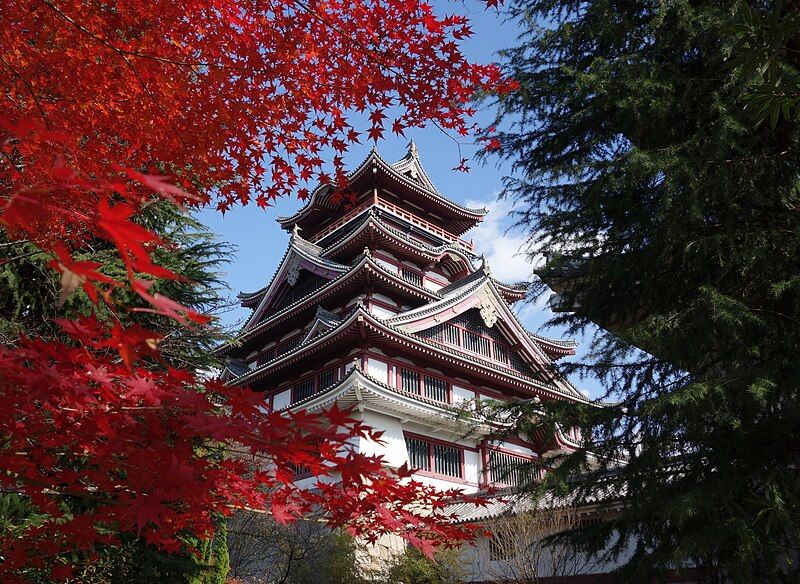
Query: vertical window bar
x,y
409,380
418,454
303,389
436,388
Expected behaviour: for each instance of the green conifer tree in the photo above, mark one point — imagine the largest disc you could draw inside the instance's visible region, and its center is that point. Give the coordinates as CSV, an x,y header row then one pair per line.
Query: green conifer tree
x,y
29,300
665,201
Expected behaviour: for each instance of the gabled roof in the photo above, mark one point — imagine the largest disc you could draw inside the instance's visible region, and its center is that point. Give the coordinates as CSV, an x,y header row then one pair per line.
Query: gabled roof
x,y
324,320
360,325
300,254
364,266
411,167
372,227
408,174
479,290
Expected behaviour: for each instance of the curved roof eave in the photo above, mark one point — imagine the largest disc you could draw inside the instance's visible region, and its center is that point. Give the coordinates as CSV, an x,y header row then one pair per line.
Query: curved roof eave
x,y
303,250
371,219
363,261
361,315
377,159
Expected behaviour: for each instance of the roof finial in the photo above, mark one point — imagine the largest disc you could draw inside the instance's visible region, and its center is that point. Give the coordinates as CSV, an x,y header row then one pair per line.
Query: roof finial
x,y
296,230
485,265
413,151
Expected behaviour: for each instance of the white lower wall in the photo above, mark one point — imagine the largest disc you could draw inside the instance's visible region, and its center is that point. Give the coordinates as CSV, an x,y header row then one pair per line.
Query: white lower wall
x,y
378,370
282,400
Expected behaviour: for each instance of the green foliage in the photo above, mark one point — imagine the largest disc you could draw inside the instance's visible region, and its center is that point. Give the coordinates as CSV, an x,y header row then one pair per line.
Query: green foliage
x,y
303,553
767,39
669,215
29,300
413,567
30,289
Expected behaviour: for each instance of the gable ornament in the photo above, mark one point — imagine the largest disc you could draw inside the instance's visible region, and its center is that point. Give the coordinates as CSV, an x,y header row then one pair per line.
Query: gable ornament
x,y
487,308
293,274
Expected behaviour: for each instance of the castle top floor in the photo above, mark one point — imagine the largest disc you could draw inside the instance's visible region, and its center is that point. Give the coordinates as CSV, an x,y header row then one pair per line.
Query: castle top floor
x,y
401,190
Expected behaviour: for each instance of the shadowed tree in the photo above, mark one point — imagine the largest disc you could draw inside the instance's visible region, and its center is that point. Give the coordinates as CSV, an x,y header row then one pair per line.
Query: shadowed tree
x,y
667,210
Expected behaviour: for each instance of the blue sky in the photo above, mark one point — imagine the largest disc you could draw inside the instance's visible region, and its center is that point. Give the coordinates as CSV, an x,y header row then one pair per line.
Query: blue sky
x,y
261,242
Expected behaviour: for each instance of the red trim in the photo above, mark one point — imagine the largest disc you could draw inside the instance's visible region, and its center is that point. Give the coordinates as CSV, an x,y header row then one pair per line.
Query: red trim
x,y
492,342
398,381
432,463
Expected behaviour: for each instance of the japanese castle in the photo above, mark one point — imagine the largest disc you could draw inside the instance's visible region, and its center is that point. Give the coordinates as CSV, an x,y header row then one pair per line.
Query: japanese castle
x,y
382,305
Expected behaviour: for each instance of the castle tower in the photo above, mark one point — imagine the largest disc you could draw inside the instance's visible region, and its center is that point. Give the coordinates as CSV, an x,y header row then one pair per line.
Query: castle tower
x,y
380,304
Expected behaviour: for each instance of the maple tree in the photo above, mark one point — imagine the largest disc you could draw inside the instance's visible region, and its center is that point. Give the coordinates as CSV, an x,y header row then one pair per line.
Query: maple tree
x,y
204,102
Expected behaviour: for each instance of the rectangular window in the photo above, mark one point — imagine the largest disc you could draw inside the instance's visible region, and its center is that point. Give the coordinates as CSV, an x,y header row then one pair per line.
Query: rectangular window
x,y
436,388
447,460
433,457
509,469
418,454
327,378
476,344
452,335
500,353
409,380
303,389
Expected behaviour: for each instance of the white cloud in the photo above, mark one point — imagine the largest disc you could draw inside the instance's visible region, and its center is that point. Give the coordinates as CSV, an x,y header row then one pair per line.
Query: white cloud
x,y
504,249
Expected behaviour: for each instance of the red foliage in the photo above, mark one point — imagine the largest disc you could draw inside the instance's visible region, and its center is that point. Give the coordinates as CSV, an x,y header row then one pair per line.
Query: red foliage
x,y
106,105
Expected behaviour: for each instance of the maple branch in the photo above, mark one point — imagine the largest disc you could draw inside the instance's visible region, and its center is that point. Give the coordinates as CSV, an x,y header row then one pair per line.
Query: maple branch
x,y
124,56
308,10
30,90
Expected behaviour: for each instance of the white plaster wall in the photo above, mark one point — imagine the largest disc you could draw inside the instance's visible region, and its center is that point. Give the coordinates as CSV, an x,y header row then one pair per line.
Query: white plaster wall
x,y
393,448
471,466
381,312
378,369
282,399
386,265
437,276
431,285
383,298
479,568
461,395
515,448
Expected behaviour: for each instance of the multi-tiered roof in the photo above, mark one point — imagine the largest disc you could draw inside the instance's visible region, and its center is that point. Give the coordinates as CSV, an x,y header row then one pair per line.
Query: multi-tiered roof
x,y
381,304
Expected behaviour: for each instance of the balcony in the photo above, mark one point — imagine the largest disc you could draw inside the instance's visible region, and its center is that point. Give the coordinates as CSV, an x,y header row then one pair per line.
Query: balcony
x,y
399,212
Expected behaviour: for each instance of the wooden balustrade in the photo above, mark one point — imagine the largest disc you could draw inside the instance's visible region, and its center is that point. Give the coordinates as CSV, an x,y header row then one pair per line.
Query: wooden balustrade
x,y
400,212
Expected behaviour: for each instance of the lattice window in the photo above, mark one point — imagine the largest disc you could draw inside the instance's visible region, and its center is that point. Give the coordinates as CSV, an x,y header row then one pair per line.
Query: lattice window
x,y
451,334
288,345
266,356
327,378
436,388
477,344
500,353
434,457
510,469
418,453
303,390
409,380
447,460
411,276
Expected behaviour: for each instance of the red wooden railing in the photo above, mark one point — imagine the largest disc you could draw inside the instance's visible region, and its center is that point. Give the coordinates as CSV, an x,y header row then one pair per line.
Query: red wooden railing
x,y
400,212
